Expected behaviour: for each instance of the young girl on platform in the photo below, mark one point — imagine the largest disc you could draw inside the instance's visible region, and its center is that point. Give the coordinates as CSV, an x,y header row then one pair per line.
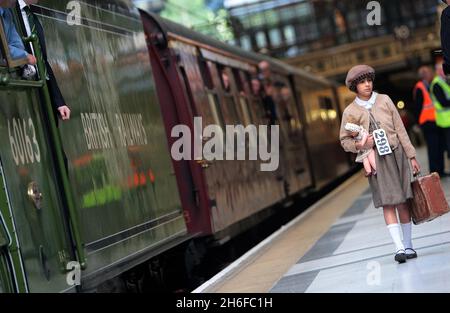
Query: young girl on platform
x,y
391,187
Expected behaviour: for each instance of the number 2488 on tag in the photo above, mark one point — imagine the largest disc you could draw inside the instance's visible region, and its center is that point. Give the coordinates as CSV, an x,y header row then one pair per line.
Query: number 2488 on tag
x,y
382,142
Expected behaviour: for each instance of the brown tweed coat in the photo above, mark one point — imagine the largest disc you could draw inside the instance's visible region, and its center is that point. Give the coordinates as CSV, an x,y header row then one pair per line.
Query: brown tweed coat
x,y
388,118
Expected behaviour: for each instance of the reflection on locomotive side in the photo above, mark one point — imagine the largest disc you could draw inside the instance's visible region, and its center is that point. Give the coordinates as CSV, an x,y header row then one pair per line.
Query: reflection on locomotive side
x,y
101,192
128,131
110,85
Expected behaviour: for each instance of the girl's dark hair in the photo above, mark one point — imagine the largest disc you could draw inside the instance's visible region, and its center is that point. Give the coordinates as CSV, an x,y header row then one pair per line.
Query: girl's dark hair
x,y
361,78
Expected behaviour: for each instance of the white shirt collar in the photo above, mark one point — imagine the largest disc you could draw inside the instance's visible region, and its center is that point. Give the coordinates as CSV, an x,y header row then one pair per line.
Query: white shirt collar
x,y
367,104
22,4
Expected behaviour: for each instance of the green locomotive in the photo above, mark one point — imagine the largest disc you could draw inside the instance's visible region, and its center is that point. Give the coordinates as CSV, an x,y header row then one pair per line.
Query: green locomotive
x,y
89,198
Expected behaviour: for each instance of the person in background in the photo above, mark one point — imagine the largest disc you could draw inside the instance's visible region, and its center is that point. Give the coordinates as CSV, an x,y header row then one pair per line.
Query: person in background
x,y
15,44
440,94
445,37
29,19
425,115
267,101
225,81
264,76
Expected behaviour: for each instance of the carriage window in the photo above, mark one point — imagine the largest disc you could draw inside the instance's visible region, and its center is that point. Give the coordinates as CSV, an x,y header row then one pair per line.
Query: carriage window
x,y
229,105
206,74
327,111
225,79
6,59
251,99
238,80
232,109
243,100
295,122
215,109
211,92
245,110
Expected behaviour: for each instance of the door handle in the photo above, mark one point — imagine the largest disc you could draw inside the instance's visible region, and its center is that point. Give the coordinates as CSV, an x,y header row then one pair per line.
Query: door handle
x,y
204,163
35,195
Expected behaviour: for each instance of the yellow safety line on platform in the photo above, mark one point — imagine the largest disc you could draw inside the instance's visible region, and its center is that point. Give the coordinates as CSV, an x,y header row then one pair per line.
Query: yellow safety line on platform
x,y
269,266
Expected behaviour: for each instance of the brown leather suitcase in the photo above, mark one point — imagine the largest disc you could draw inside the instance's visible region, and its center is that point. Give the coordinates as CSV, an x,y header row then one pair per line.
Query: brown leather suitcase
x,y
429,199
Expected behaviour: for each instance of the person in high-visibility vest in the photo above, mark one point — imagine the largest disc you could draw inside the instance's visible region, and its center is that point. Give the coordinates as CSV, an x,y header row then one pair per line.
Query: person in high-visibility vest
x,y
425,114
440,93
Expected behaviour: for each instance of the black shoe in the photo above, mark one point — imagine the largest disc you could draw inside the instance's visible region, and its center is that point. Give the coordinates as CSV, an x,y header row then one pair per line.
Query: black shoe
x,y
411,255
400,256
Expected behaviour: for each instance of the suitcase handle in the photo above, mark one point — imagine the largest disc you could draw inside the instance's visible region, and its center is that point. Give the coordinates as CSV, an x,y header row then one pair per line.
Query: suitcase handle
x,y
418,175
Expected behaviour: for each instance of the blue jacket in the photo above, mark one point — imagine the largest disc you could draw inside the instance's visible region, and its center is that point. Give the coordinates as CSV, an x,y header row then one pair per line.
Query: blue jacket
x,y
15,44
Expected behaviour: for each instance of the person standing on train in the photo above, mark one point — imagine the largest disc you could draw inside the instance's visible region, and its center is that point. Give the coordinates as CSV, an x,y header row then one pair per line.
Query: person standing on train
x,y
268,92
267,100
425,114
264,76
445,37
440,93
30,22
391,187
15,44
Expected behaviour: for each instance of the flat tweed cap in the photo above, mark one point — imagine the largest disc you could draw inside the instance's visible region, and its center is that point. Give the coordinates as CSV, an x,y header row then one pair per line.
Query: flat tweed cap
x,y
358,72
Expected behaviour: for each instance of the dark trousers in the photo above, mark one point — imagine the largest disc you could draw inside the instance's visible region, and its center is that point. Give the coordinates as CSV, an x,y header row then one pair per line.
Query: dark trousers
x,y
446,132
436,145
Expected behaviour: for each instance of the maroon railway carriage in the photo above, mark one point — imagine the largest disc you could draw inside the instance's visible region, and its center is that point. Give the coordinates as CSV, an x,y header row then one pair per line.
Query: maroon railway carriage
x,y
223,198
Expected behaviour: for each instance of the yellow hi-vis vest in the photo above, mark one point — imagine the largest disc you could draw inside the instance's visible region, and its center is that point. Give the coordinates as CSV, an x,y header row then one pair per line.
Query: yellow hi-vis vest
x,y
442,113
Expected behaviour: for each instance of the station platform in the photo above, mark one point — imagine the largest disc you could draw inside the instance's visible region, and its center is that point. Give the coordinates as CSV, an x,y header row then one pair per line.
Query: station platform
x,y
341,244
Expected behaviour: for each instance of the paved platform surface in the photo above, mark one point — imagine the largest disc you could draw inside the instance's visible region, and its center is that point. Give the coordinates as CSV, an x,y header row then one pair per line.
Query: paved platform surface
x,y
341,244
356,255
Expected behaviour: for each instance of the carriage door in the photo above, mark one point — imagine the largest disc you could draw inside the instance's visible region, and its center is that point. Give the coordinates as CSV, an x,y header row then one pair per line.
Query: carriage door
x,y
35,209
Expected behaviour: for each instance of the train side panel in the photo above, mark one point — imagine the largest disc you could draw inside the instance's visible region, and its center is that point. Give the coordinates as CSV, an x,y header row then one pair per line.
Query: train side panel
x,y
230,183
328,159
117,151
294,164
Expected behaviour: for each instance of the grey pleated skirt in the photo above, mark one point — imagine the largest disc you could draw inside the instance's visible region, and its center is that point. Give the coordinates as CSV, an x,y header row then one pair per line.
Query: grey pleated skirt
x,y
392,184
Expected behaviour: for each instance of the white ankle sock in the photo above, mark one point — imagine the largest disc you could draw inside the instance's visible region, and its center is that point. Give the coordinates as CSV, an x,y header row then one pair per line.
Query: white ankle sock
x,y
394,230
406,228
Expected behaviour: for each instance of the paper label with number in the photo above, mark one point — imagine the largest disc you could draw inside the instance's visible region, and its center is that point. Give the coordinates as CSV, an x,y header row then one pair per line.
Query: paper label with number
x,y
381,141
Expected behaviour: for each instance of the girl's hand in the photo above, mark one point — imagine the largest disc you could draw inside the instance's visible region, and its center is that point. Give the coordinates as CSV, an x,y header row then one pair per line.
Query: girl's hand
x,y
416,166
368,145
